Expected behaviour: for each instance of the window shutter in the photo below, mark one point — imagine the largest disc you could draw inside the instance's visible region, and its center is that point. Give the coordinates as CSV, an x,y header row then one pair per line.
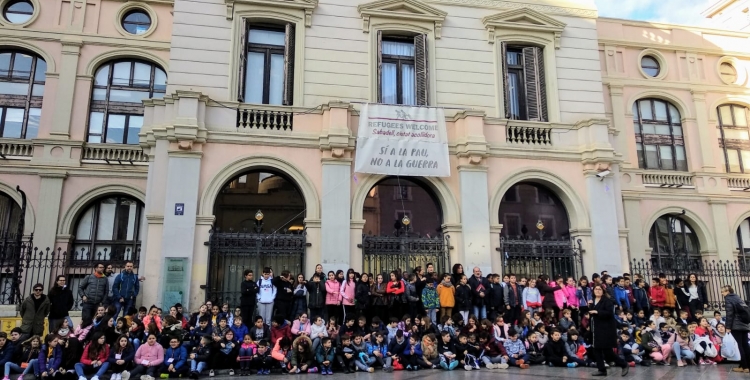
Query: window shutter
x,y
421,69
504,58
536,89
289,65
380,67
242,62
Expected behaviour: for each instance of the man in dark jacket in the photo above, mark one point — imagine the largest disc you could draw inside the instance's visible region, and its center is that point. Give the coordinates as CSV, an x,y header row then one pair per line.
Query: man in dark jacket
x,y
125,289
735,307
93,291
248,296
284,295
479,293
33,311
316,296
61,302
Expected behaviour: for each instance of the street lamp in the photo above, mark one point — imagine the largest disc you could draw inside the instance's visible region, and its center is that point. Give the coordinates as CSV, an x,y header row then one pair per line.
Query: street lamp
x,y
258,221
540,229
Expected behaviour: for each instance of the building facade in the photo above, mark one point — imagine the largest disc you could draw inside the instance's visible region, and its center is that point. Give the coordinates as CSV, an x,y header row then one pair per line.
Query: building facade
x,y
201,138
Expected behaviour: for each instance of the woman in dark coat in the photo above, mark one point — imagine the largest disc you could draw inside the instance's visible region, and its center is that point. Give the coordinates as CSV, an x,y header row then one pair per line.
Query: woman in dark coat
x,y
737,328
458,270
548,294
604,331
61,301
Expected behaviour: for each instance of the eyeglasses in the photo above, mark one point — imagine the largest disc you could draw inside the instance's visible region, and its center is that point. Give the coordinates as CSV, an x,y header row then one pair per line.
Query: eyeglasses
x,y
37,290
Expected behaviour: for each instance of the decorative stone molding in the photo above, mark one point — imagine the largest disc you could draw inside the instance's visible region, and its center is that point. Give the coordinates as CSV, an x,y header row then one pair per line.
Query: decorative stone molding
x,y
308,6
523,19
413,10
135,5
738,66
659,57
497,4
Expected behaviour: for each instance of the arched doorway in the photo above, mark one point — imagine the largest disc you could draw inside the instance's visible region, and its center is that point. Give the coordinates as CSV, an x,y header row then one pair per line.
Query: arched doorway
x,y
403,227
536,237
743,244
675,246
259,223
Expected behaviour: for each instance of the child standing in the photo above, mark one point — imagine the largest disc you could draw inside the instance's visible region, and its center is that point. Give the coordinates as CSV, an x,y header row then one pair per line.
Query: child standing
x,y
446,293
463,298
430,299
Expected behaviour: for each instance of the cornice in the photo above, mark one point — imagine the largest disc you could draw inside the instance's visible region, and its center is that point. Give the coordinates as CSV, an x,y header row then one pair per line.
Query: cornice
x,y
304,5
523,19
665,26
85,39
498,4
416,10
640,45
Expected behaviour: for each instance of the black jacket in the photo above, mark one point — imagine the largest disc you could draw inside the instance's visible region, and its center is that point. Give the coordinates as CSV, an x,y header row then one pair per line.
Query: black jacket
x,y
463,297
548,294
603,324
733,303
702,295
316,292
496,297
61,300
476,289
282,295
396,348
249,293
555,350
362,295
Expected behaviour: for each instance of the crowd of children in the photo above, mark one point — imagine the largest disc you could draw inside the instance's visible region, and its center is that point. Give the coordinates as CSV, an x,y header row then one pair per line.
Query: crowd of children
x,y
411,322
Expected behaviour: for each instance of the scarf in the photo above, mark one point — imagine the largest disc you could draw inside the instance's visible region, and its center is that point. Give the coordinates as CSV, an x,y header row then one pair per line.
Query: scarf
x,y
446,284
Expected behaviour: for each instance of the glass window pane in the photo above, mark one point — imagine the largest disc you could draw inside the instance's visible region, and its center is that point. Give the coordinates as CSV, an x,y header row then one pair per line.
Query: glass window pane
x,y
141,75
745,160
674,114
5,64
725,112
740,117
126,225
649,129
106,223
276,90
635,111
254,78
134,127
160,80
158,95
667,159
388,83
662,129
680,158
639,151
121,74
734,161
646,113
100,79
661,110
37,90
405,49
95,139
652,160
127,96
514,95
266,37
513,58
22,66
99,94
32,125
115,129
83,230
41,70
9,88
408,82
13,122
637,126
676,130
737,134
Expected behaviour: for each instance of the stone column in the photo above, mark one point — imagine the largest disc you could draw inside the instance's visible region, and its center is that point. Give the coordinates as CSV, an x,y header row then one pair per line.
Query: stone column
x,y
604,228
335,249
706,138
475,219
618,122
48,209
725,237
71,49
637,239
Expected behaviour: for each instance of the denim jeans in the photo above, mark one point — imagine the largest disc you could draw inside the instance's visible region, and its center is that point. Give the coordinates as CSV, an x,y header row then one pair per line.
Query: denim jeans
x,y
480,312
432,313
17,368
196,366
124,306
136,343
81,369
681,353
493,359
513,361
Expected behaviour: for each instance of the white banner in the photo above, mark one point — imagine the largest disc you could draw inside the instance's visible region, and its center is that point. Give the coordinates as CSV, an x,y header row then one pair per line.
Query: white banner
x,y
403,141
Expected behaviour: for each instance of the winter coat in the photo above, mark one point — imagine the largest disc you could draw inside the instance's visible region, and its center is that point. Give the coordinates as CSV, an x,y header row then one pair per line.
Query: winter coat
x,y
32,319
417,349
333,292
362,295
278,353
153,354
284,290
300,300
298,328
733,303
378,295
305,357
584,295
548,295
316,291
283,330
479,286
102,356
603,324
430,298
514,298
126,285
495,297
260,333
49,361
446,295
249,294
702,294
560,298
571,295
396,291
641,298
127,354
463,297
682,297
239,332
658,296
347,292
95,288
325,354
621,297
177,356
61,301
555,350
671,300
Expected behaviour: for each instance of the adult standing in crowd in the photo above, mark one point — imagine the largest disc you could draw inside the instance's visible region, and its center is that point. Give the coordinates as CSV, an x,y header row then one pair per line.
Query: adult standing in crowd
x,y
458,270
479,290
282,304
61,302
125,289
93,290
738,329
33,311
604,331
109,272
248,296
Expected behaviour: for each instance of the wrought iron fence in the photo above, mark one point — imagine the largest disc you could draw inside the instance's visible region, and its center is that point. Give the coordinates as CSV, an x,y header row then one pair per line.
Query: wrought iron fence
x,y
532,258
382,254
230,253
34,265
714,274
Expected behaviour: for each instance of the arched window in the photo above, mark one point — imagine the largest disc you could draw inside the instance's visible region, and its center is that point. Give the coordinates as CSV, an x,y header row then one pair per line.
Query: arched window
x,y
734,138
22,78
743,243
658,135
10,216
109,229
674,244
116,110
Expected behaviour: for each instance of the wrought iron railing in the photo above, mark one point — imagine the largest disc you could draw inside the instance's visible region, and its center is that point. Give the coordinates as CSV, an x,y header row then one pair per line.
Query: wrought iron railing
x,y
532,135
114,153
532,258
269,119
16,148
667,179
230,253
713,274
382,254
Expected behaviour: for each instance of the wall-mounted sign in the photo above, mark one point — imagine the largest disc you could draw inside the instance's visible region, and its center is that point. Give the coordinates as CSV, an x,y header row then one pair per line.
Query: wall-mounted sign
x,y
179,209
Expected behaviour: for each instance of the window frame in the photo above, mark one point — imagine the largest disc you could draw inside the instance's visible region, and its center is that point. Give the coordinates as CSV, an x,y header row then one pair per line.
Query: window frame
x,y
656,61
734,142
640,137
106,103
29,100
399,60
267,51
132,11
9,4
91,243
657,256
519,71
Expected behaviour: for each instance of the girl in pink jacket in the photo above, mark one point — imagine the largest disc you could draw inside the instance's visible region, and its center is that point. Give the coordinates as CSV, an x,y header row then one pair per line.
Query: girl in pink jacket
x,y
347,292
571,297
560,298
333,297
148,358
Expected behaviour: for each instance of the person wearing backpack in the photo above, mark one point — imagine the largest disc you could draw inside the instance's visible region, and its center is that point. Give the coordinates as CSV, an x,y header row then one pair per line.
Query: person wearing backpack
x,y
738,317
125,289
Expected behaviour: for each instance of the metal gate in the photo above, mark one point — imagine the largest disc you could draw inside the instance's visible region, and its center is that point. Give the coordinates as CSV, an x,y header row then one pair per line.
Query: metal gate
x,y
382,254
230,253
531,258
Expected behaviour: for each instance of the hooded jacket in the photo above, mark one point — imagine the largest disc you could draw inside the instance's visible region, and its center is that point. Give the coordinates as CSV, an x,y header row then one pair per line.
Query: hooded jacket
x,y
95,287
316,291
32,319
126,285
266,290
306,357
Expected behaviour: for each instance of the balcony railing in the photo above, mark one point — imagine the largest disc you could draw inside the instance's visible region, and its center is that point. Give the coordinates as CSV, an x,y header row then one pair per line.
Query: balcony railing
x,y
269,119
738,183
114,154
667,179
16,149
531,135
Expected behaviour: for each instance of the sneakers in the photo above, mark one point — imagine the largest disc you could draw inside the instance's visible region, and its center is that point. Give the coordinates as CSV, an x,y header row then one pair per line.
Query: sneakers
x,y
194,374
82,378
125,375
453,365
501,366
163,376
490,366
267,371
572,365
210,373
468,367
260,372
370,370
231,372
144,377
520,362
312,370
93,378
388,369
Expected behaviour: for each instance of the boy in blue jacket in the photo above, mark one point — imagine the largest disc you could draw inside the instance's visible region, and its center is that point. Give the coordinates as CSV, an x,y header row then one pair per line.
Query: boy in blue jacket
x,y
240,330
175,360
377,348
621,294
412,353
325,355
